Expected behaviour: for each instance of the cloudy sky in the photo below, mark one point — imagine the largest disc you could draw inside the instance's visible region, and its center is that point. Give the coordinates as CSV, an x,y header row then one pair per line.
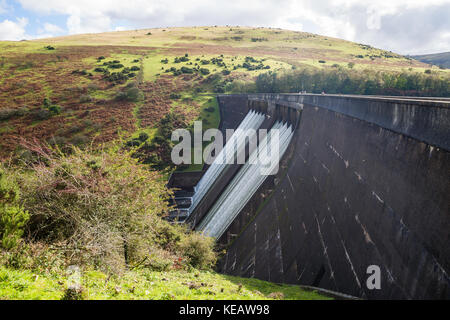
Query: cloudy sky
x,y
403,26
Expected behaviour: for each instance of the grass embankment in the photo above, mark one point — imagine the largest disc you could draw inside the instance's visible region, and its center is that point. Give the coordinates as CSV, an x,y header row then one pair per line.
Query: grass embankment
x,y
147,285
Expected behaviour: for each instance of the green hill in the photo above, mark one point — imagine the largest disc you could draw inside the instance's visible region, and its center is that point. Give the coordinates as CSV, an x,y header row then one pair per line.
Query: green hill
x,y
437,59
68,90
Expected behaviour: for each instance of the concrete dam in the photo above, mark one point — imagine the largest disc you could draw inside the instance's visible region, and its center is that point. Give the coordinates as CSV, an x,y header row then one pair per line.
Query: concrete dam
x,y
363,183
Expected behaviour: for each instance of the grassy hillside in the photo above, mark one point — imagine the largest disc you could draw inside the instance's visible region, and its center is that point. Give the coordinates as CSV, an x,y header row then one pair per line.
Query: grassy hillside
x,y
437,59
70,90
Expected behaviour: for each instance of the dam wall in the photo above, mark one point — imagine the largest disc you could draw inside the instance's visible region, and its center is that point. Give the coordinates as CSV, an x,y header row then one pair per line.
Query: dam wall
x,y
364,182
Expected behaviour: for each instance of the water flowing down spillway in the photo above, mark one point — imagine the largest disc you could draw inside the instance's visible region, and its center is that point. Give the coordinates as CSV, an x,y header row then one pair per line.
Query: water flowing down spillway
x,y
246,182
252,121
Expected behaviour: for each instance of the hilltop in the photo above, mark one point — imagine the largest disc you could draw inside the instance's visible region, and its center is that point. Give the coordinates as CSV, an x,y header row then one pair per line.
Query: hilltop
x,y
70,90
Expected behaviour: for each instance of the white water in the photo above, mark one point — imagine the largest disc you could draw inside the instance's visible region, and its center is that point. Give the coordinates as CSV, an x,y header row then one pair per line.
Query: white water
x,y
253,120
244,184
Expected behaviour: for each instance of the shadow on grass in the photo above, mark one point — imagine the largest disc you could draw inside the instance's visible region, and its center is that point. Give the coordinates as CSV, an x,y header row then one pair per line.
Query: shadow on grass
x,y
273,290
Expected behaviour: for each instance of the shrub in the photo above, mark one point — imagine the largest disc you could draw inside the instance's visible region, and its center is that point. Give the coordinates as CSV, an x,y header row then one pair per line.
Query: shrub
x,y
93,87
199,251
134,94
106,210
85,98
143,136
226,72
6,114
219,88
259,39
41,114
49,48
57,141
22,111
12,215
204,71
54,109
186,70
74,129
121,96
116,66
134,68
322,61
47,103
133,143
175,96
216,77
80,139
99,69
118,77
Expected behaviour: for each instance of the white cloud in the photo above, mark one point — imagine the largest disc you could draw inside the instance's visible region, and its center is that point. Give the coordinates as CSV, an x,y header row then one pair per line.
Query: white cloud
x,y
4,8
88,23
48,30
52,29
400,25
10,30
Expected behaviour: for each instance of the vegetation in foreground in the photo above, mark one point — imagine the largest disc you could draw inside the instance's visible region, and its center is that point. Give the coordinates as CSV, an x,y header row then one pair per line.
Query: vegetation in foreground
x,y
91,225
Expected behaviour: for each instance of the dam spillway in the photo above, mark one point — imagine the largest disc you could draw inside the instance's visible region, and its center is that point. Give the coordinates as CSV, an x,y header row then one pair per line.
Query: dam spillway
x,y
363,182
244,184
252,121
